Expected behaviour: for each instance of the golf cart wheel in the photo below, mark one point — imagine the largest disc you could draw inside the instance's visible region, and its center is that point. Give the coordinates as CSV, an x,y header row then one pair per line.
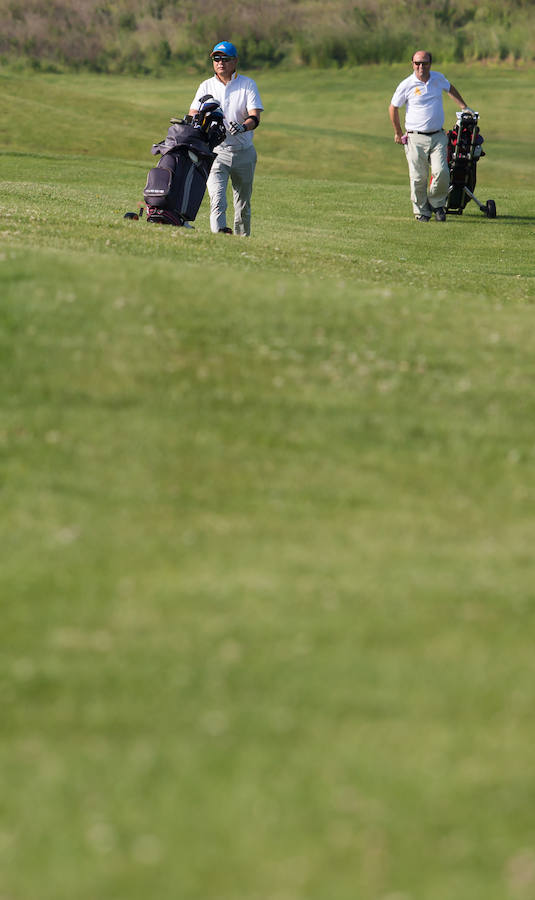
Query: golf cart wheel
x,y
490,209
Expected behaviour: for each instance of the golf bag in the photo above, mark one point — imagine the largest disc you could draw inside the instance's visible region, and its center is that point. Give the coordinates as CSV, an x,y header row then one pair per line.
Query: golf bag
x,y
464,152
175,188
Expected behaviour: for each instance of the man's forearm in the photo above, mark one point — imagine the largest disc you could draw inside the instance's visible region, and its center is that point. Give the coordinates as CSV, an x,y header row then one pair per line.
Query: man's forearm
x,y
393,112
455,95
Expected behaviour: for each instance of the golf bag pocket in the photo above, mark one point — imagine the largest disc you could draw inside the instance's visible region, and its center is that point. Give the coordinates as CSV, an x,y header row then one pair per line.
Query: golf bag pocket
x,y
158,188
191,179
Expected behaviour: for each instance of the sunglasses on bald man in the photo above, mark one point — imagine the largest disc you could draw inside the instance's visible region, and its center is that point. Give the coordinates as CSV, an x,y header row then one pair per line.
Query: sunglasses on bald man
x,y
219,58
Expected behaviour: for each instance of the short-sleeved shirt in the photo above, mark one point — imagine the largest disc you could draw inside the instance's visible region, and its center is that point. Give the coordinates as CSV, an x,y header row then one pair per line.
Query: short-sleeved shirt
x,y
423,99
236,97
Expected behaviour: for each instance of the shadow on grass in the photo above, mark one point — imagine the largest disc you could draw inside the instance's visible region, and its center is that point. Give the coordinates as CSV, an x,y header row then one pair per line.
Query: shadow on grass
x,y
513,220
525,220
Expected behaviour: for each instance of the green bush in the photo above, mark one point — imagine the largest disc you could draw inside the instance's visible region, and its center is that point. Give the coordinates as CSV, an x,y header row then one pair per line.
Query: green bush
x,y
127,21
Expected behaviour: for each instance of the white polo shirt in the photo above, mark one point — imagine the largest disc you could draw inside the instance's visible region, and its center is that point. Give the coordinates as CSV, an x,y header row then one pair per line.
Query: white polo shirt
x,y
423,99
236,97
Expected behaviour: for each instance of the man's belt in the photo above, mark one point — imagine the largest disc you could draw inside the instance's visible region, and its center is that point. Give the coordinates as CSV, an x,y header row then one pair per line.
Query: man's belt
x,y
428,133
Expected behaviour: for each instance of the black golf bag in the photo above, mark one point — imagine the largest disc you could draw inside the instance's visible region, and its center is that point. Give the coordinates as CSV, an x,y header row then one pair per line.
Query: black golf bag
x,y
464,153
175,188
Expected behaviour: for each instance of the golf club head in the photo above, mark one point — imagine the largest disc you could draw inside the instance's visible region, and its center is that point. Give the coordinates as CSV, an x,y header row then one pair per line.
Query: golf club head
x,y
131,215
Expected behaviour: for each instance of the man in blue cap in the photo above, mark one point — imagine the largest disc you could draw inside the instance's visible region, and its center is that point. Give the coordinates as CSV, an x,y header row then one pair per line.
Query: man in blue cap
x,y
236,156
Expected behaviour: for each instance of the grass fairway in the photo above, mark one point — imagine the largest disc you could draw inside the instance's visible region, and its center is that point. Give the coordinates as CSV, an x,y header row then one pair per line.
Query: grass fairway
x,y
267,508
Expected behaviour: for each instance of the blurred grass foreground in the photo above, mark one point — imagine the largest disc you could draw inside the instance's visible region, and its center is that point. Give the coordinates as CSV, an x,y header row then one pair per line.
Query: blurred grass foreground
x,y
267,508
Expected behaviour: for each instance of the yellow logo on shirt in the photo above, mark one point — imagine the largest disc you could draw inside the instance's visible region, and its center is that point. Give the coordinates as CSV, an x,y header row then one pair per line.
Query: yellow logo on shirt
x,y
417,91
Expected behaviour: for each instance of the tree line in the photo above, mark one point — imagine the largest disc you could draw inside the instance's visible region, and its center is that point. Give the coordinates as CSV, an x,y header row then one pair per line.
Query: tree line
x,y
154,36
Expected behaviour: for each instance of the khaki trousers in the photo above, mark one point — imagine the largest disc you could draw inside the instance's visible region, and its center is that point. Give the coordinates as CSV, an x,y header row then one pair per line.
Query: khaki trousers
x,y
239,166
427,154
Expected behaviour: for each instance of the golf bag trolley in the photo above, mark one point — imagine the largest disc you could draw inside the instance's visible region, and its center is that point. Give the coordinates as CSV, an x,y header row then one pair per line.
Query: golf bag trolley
x,y
464,153
175,187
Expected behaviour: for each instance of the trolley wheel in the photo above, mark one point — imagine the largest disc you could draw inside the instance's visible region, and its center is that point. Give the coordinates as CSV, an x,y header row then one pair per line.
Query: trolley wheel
x,y
490,209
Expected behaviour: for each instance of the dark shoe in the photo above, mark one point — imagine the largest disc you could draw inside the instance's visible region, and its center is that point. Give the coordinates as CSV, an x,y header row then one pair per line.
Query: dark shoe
x,y
225,230
440,214
422,218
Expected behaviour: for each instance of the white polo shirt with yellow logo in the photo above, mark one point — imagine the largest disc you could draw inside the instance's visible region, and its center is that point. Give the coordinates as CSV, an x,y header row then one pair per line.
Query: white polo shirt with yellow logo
x,y
423,99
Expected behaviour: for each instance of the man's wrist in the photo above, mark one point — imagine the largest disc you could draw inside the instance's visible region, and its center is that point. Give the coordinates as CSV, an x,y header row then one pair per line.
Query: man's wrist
x,y
254,119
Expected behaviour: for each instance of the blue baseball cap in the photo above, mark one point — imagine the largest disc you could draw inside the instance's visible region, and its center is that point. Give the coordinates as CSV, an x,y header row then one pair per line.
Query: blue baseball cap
x,y
225,47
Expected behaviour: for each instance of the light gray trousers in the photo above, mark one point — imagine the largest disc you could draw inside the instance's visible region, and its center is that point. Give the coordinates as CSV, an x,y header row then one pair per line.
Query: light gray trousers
x,y
239,166
427,153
